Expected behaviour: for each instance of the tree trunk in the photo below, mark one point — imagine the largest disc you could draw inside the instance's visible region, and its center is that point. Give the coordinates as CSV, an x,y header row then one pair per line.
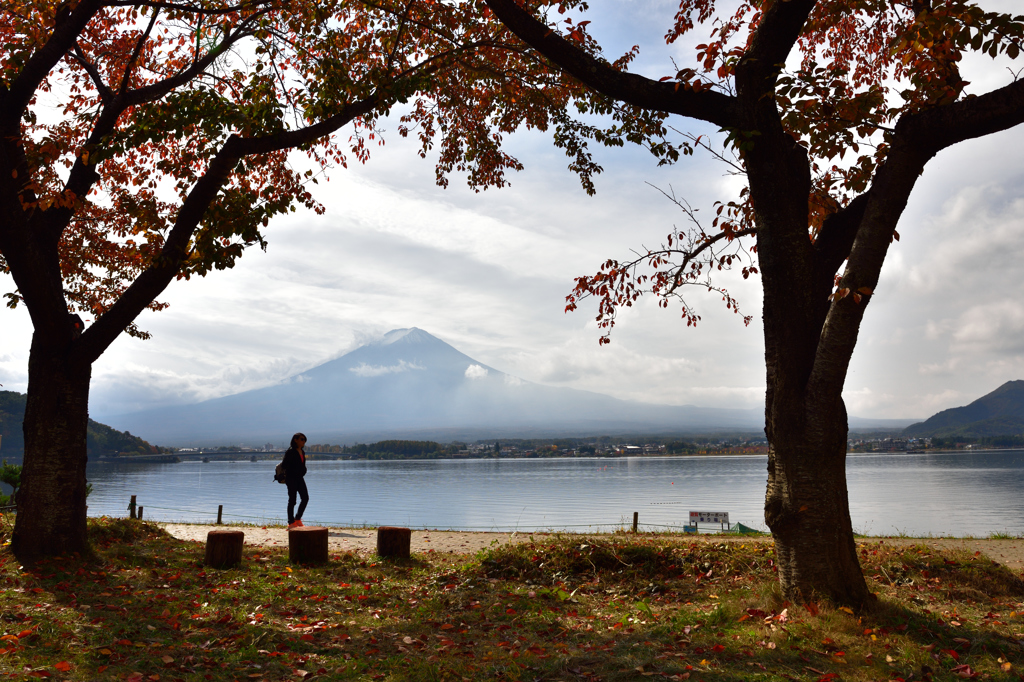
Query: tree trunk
x,y
51,516
807,507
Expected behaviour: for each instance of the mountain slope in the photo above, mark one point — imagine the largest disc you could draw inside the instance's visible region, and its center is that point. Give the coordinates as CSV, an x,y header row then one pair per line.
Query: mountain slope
x,y
1000,413
101,440
414,384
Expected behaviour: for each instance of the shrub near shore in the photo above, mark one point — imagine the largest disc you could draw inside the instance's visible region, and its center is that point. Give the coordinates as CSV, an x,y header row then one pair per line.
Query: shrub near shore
x,y
615,608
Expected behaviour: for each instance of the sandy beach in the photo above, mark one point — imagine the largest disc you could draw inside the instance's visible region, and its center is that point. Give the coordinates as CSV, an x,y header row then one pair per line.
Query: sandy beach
x,y
1009,552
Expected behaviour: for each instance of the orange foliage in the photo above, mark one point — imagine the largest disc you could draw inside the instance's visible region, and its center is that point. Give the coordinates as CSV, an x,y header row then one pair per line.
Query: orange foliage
x,y
152,140
857,70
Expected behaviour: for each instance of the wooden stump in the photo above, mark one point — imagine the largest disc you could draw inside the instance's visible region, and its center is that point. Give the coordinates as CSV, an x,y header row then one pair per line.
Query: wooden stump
x,y
224,548
307,545
393,541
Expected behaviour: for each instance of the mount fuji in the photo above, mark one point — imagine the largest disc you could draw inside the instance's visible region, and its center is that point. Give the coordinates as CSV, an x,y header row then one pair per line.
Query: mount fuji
x,y
411,384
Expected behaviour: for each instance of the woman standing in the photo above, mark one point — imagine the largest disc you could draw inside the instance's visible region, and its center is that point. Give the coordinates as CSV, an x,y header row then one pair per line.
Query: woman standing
x,y
294,464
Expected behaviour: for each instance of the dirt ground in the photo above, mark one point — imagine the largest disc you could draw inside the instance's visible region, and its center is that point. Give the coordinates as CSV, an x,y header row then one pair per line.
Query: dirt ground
x,y
1008,552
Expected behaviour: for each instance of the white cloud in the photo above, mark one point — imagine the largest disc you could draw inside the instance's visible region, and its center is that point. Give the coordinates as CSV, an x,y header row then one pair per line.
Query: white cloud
x,y
476,372
365,370
488,272
994,327
947,367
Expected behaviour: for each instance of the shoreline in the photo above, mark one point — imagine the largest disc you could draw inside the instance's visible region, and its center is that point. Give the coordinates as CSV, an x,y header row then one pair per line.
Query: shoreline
x,y
1006,551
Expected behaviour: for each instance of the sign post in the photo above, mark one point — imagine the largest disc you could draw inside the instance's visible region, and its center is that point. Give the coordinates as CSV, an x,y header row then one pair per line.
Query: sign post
x,y
698,517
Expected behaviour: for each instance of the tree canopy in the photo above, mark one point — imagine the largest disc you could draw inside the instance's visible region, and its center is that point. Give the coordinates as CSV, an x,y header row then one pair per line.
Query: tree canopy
x,y
152,139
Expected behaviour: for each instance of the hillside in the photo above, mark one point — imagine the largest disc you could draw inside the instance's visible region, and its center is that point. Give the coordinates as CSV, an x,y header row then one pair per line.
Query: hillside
x,y
1000,413
412,385
102,440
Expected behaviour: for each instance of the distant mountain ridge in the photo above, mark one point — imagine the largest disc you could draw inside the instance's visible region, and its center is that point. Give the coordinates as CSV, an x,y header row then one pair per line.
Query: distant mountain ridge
x,y
999,413
411,384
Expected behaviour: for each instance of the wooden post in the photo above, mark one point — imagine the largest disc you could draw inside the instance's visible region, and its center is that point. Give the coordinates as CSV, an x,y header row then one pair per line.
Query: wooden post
x,y
224,548
393,541
140,512
220,512
131,508
636,516
307,545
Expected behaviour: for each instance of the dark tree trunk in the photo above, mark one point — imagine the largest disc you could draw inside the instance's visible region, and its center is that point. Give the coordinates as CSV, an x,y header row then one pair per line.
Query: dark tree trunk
x,y
51,500
807,509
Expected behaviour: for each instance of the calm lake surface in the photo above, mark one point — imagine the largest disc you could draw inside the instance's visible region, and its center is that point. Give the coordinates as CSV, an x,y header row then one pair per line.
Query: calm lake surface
x,y
939,494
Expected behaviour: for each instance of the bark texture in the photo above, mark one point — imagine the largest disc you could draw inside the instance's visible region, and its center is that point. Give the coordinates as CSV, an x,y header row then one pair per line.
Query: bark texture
x,y
307,545
224,548
807,509
393,541
51,516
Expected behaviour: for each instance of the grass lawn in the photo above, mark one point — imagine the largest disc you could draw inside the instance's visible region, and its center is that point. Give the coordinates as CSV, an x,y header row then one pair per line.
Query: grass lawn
x,y
624,607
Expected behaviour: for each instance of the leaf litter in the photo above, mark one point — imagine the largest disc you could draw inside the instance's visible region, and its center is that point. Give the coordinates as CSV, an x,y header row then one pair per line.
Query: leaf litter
x,y
616,607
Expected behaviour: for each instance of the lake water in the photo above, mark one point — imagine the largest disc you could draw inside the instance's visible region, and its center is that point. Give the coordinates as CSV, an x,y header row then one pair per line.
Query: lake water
x,y
938,494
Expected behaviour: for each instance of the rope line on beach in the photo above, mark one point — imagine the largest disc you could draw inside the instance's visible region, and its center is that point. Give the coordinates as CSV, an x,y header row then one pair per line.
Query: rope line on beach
x,y
496,529
203,512
491,528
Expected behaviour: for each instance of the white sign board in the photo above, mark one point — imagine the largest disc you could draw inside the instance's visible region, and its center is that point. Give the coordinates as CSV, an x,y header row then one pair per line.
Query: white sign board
x,y
708,517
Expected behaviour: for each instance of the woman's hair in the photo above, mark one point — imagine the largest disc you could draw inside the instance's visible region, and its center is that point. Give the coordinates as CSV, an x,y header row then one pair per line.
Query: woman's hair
x,y
296,437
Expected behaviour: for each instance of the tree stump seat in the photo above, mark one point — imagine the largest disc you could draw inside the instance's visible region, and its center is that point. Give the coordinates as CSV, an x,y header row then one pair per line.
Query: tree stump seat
x,y
307,545
224,548
393,541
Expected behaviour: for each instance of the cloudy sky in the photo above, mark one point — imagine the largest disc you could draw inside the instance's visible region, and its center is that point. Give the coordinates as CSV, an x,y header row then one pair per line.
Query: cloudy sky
x,y
488,273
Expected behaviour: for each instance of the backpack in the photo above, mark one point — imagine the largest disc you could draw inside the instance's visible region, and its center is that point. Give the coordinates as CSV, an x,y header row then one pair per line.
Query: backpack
x,y
279,473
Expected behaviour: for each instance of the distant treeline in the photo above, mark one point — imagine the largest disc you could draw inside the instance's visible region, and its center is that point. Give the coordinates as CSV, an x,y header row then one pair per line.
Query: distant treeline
x,y
101,440
985,441
531,447
388,449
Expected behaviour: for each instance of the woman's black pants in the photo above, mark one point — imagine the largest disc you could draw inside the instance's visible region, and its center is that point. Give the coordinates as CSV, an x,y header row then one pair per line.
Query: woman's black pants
x,y
299,487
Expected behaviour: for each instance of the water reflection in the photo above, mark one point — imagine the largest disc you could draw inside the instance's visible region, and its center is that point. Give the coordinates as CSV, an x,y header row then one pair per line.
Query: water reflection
x,y
961,493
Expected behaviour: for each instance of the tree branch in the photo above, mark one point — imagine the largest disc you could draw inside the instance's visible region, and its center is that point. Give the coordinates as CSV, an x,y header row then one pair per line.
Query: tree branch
x,y
136,52
195,9
154,279
918,138
106,94
42,61
882,207
943,126
835,239
771,44
599,75
83,174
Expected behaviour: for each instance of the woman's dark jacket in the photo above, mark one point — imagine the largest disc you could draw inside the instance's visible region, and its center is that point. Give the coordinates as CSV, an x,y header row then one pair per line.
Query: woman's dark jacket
x,y
294,467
